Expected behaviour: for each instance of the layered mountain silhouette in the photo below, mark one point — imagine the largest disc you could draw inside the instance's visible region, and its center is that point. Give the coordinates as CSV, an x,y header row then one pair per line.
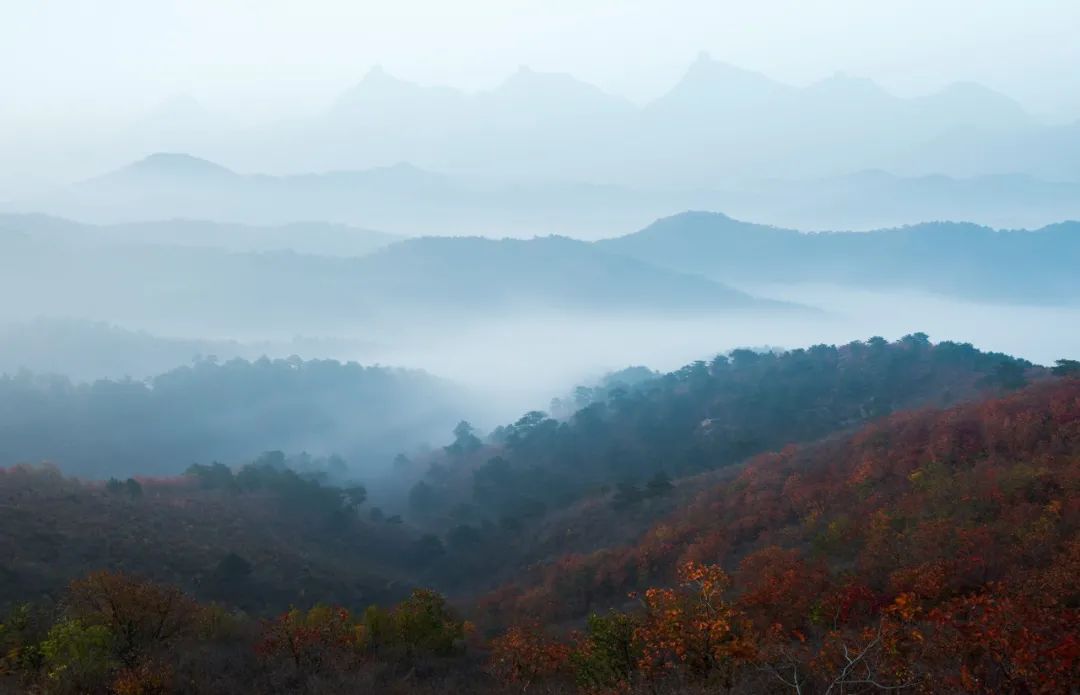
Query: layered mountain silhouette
x,y
718,124
950,258
431,282
409,200
320,238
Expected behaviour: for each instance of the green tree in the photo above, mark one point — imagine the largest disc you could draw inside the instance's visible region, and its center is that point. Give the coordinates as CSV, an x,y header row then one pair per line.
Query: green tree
x,y
133,488
77,657
465,440
1066,368
607,658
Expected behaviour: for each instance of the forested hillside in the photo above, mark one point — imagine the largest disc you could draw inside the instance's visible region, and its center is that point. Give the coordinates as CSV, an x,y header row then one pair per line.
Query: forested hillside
x,y
260,539
229,411
626,445
933,549
936,550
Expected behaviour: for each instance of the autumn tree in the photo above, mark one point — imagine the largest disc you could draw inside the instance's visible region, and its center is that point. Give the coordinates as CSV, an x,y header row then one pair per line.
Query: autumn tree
x,y
525,654
311,641
141,616
689,630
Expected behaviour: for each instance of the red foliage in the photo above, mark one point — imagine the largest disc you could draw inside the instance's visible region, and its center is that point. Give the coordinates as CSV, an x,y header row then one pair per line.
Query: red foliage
x,y
936,549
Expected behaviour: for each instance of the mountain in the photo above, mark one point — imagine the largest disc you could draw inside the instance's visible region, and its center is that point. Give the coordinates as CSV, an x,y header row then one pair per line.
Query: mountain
x,y
430,284
875,199
707,416
718,124
1047,152
551,272
752,126
802,521
249,544
917,531
91,350
414,201
318,238
951,258
224,411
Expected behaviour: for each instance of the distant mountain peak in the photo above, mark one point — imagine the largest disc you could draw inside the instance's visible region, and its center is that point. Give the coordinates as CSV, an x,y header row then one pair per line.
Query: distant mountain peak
x,y
841,85
707,79
379,88
167,167
177,163
377,73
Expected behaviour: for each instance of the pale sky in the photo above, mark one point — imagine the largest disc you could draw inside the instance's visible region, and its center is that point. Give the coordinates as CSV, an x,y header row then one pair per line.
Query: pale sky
x,y
68,62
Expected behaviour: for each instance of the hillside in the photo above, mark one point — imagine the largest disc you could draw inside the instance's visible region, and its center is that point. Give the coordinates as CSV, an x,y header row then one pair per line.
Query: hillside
x,y
91,350
929,549
959,259
228,411
260,543
533,487
936,548
545,272
416,284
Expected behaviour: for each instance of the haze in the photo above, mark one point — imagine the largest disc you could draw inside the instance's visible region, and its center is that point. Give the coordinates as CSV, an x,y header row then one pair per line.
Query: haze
x,y
73,71
520,197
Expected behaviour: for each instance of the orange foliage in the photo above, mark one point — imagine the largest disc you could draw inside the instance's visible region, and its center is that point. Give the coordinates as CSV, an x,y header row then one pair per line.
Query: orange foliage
x,y
525,654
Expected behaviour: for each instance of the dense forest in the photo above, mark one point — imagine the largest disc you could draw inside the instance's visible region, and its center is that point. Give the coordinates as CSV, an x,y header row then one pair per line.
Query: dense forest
x,y
629,439
923,537
320,377
227,411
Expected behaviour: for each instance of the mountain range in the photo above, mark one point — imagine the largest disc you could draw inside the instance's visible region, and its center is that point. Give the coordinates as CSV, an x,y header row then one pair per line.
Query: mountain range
x,y
943,257
717,126
406,199
429,282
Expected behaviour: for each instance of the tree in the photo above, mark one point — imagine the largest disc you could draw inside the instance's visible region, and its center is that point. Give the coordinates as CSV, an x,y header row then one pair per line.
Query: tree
x,y
607,658
1065,367
422,499
233,568
425,624
426,550
658,485
312,641
354,496
465,440
1009,374
78,657
627,495
691,628
525,654
133,488
141,616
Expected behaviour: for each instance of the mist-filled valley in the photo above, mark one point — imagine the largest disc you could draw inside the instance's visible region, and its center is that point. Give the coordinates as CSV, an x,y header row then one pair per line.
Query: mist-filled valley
x,y
345,356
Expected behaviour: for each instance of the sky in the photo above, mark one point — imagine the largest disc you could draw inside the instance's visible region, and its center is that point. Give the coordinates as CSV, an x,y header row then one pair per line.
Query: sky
x,y
107,59
78,72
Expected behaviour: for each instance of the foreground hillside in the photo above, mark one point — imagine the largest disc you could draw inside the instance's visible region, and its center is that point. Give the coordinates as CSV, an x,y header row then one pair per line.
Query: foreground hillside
x,y
260,540
540,484
934,550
